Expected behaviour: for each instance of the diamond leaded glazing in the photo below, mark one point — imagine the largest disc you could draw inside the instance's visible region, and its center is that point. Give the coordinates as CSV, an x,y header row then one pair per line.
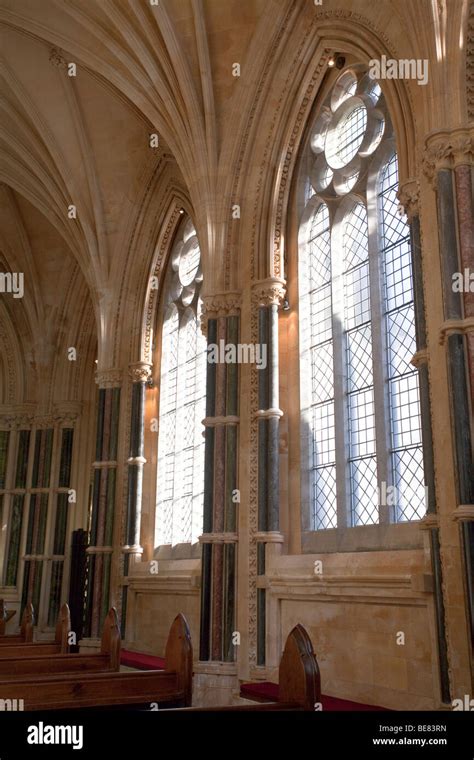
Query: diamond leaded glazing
x,y
357,333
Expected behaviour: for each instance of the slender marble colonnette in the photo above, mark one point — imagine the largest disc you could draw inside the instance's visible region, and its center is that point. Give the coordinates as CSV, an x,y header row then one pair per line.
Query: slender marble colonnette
x,y
103,501
219,539
448,163
132,550
409,197
267,297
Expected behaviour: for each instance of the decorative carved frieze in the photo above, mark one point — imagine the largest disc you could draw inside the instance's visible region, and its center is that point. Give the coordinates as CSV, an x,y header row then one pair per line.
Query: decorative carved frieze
x,y
268,292
446,150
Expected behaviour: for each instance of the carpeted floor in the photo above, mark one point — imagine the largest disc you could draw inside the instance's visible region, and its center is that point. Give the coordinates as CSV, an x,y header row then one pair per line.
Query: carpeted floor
x,y
265,691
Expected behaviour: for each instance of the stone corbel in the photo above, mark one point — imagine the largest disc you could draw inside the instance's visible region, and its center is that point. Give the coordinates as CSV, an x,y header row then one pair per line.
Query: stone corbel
x,y
409,197
455,327
429,521
420,358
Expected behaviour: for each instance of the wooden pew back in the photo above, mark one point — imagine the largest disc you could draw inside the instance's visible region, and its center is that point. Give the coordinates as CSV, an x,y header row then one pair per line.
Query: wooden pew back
x,y
299,677
26,627
42,664
13,649
179,655
82,690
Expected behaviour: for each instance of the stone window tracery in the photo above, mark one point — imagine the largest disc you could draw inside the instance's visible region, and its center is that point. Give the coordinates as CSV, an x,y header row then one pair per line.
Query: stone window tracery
x,y
180,476
360,401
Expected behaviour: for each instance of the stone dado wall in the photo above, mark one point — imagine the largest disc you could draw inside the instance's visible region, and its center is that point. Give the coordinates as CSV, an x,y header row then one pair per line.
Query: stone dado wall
x,y
354,612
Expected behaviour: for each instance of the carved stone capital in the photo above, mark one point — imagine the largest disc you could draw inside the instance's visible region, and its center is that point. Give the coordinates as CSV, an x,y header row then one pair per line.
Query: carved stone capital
x,y
219,305
109,378
44,422
66,413
139,371
447,150
18,416
409,197
268,292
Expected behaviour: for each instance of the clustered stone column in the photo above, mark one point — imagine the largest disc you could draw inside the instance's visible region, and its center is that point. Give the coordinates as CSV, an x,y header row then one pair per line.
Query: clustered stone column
x,y
103,502
267,296
448,164
219,538
409,197
132,550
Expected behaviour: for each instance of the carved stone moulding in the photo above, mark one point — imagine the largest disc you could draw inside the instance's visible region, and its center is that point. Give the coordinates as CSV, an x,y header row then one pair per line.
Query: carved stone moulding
x,y
109,378
134,549
455,327
99,550
140,371
219,538
269,292
446,149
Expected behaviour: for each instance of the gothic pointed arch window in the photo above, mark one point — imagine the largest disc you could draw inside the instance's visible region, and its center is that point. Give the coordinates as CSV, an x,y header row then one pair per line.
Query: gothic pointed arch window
x,y
361,421
182,399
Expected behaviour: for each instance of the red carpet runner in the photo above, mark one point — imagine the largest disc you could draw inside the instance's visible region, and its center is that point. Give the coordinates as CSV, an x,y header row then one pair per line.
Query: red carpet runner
x,y
265,691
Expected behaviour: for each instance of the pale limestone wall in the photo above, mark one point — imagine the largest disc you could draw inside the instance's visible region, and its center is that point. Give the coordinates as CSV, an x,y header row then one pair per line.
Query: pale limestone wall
x,y
354,611
155,600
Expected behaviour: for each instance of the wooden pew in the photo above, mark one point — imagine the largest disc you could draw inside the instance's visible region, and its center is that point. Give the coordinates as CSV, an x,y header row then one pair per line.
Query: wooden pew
x,y
5,616
299,680
108,659
26,627
75,691
29,649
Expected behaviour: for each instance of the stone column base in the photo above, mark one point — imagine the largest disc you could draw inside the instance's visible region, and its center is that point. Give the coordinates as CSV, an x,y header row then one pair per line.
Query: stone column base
x,y
215,685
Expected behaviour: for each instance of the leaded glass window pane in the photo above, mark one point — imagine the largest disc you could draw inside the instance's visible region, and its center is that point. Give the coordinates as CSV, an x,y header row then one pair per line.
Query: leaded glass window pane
x,y
359,389
180,476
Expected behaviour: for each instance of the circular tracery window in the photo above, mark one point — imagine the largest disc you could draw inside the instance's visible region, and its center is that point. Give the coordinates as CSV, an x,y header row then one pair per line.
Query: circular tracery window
x,y
186,277
189,261
346,135
349,129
